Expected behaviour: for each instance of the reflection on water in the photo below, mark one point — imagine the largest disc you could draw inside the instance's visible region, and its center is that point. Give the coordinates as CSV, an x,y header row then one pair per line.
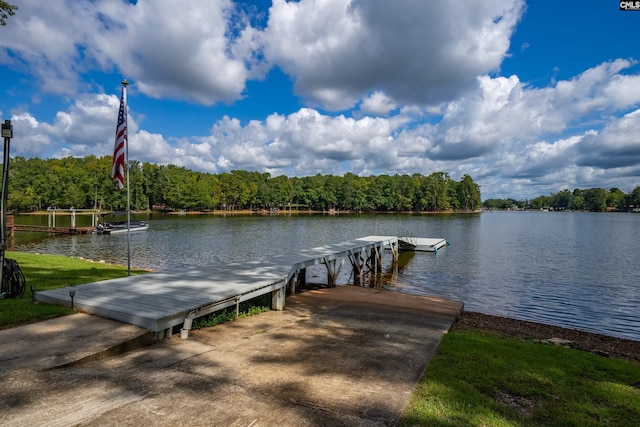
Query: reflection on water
x,y
576,270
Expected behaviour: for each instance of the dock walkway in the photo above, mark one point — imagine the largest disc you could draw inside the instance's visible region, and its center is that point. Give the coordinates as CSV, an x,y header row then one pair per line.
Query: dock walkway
x,y
161,300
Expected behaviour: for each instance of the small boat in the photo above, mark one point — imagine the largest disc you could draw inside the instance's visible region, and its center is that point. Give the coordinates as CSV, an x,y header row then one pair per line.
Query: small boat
x,y
121,227
421,244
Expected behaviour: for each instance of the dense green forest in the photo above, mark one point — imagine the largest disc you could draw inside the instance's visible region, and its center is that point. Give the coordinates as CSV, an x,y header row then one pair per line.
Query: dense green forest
x,y
85,183
592,199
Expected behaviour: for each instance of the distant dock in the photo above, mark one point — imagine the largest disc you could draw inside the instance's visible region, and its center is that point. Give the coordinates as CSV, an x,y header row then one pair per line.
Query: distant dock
x,y
52,228
161,300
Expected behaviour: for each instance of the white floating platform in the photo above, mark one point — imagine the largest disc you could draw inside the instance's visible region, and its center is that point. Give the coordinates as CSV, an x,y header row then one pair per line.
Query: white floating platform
x,y
421,244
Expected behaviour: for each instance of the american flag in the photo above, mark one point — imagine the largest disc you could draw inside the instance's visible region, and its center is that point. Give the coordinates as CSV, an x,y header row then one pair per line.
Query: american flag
x,y
117,169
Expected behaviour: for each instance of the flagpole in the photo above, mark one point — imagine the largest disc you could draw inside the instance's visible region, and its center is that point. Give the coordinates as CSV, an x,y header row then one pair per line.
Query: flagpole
x,y
124,83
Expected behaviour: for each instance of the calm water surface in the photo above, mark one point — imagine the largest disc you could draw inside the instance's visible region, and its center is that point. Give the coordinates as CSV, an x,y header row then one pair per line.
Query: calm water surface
x,y
577,270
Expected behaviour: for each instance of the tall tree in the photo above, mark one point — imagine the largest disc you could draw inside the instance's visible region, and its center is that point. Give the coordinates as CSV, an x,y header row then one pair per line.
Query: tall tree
x,y
562,200
633,198
595,199
405,192
198,192
469,194
435,190
6,10
615,198
155,181
280,190
384,188
174,192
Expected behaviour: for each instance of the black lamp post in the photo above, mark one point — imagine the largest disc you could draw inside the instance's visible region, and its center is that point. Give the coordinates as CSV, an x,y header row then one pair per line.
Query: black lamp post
x,y
7,134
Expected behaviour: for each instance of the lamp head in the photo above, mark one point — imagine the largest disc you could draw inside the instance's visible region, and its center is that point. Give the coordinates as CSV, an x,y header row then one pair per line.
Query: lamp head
x,y
7,129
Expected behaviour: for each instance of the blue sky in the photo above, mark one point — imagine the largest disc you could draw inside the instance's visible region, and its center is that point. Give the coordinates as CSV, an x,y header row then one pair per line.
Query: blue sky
x,y
527,98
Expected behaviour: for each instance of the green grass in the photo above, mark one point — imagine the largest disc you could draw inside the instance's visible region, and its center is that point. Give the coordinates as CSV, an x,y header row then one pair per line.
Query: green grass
x,y
49,272
481,380
251,307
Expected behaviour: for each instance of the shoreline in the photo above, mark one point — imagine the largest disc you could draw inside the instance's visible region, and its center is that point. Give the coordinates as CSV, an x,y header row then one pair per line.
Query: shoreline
x,y
603,345
262,212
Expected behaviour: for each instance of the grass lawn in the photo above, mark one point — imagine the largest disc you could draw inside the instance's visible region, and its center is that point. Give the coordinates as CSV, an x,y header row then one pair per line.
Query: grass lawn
x,y
482,380
50,272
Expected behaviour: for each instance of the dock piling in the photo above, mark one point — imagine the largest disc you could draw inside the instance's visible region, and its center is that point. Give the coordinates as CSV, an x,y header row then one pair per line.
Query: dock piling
x,y
333,270
277,298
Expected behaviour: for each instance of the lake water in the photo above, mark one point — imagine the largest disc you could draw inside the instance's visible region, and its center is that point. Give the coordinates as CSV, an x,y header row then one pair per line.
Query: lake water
x,y
576,270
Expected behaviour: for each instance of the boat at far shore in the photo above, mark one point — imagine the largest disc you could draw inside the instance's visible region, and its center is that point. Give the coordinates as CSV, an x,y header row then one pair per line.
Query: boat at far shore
x,y
121,227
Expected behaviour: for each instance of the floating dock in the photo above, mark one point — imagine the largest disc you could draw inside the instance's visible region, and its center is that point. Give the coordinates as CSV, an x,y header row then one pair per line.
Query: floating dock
x,y
161,300
421,244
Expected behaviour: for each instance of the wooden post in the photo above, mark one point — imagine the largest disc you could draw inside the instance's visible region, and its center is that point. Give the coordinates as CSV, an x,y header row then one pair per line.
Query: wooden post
x,y
357,262
394,251
373,260
333,270
378,254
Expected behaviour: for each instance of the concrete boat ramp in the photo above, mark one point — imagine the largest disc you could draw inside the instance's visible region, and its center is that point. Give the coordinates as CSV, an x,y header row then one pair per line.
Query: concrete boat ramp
x,y
343,356
160,301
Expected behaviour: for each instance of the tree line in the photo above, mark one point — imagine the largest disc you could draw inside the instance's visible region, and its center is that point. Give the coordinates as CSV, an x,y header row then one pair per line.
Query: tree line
x,y
85,183
592,199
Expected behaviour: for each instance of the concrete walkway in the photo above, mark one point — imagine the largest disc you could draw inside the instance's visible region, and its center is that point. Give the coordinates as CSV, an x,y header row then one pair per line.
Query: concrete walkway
x,y
343,356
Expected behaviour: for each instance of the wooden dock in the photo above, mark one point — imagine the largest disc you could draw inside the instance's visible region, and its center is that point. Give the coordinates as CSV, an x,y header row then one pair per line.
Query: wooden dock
x,y
51,230
161,300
